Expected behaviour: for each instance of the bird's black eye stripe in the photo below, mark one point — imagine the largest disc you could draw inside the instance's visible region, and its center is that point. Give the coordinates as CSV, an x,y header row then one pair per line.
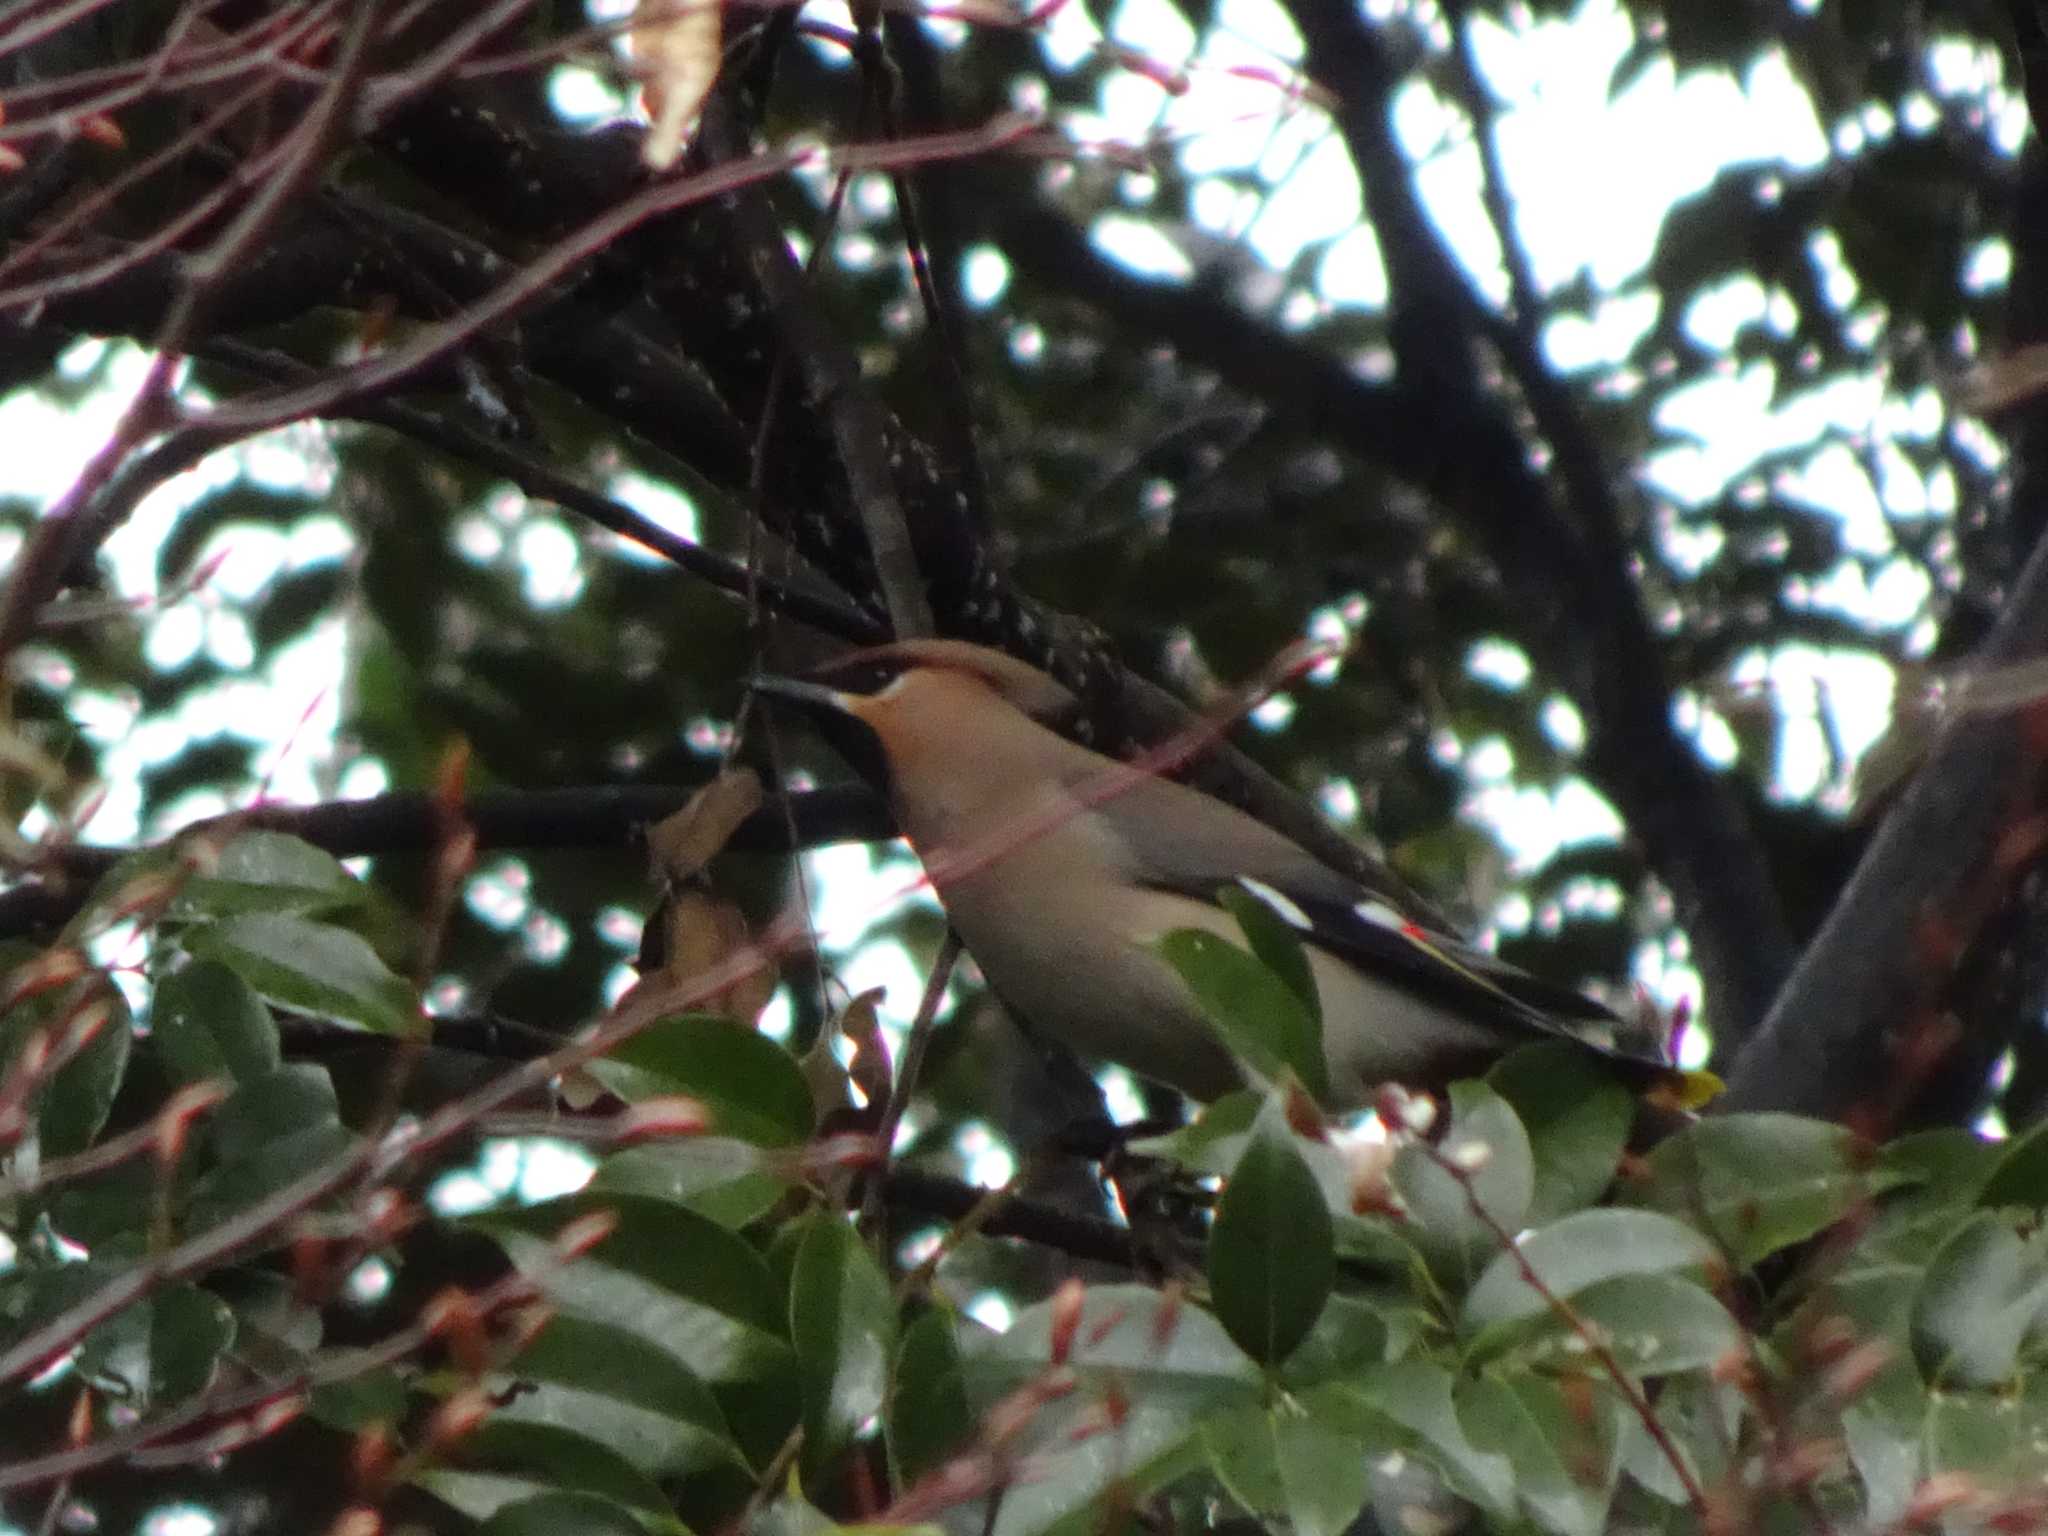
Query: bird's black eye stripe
x,y
867,676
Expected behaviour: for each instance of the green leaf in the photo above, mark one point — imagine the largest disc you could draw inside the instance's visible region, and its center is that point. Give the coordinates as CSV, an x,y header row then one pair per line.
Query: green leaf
x,y
313,967
731,1182
1981,1294
1566,1460
1653,1325
209,1023
1876,1301
1882,1430
842,1320
264,871
1700,1417
2020,1175
1378,1242
504,1462
1255,1012
1952,1163
273,1129
927,1417
356,1402
1416,1396
1577,1116
1351,1333
1486,1134
113,893
78,1098
29,1296
98,1210
603,1382
558,1514
162,1348
1995,1437
681,1283
753,1087
686,1287
1272,1258
1168,1363
75,1100
794,1515
1277,945
1571,1254
1212,1140
1290,1462
276,1331
1940,1178
1759,1183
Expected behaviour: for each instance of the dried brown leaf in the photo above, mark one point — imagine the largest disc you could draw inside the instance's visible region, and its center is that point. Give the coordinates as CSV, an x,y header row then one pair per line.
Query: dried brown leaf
x,y
683,844
677,51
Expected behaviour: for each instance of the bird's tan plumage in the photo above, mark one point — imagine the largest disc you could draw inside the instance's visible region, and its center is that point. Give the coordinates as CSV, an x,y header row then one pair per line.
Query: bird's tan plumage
x,y
1061,870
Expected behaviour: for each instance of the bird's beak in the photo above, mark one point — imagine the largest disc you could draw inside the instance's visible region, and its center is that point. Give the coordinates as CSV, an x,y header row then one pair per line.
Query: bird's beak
x,y
839,717
813,699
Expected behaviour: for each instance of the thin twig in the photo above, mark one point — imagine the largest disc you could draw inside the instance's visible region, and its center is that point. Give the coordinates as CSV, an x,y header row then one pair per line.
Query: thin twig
x,y
594,816
770,1486
757,518
908,1066
149,1444
174,66
533,281
542,482
955,397
373,1163
22,1182
1596,1346
919,1040
247,1227
859,424
58,540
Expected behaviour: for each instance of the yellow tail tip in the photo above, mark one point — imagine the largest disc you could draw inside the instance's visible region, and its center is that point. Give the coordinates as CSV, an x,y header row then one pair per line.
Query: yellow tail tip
x,y
1686,1088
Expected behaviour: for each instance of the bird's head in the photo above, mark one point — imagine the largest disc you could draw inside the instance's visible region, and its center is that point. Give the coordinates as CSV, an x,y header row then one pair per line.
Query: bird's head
x,y
892,707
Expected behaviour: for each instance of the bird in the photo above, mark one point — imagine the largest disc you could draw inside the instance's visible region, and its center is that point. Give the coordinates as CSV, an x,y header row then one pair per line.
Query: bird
x,y
1061,870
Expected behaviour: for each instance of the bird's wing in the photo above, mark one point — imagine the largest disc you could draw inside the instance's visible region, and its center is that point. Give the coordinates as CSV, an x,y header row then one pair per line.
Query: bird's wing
x,y
1181,840
1372,935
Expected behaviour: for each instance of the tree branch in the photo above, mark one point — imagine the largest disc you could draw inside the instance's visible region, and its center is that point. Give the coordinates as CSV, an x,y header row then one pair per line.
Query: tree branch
x,y
597,816
539,480
1859,1026
860,426
1574,562
1081,1237
1434,429
481,148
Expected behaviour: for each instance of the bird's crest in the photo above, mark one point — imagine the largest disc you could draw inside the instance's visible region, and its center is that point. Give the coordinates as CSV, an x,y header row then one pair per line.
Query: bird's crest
x,y
875,667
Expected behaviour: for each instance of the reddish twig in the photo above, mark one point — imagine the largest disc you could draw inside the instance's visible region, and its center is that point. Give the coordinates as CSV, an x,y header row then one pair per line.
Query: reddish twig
x,y
532,282
168,1123
44,563
173,67
226,1413
1596,1346
372,1163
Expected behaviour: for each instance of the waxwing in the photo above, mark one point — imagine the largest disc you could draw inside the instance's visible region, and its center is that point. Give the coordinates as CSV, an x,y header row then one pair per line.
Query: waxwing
x,y
1061,869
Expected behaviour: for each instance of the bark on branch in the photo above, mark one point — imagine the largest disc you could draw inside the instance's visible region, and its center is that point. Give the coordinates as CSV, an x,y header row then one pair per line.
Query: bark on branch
x,y
1862,1022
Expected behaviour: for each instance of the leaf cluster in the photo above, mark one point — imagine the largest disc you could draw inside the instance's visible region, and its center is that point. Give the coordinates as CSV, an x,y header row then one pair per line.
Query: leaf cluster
x,y
1507,1317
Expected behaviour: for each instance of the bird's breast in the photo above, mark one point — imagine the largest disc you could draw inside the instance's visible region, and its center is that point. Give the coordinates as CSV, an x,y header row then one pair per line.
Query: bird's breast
x,y
1068,945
